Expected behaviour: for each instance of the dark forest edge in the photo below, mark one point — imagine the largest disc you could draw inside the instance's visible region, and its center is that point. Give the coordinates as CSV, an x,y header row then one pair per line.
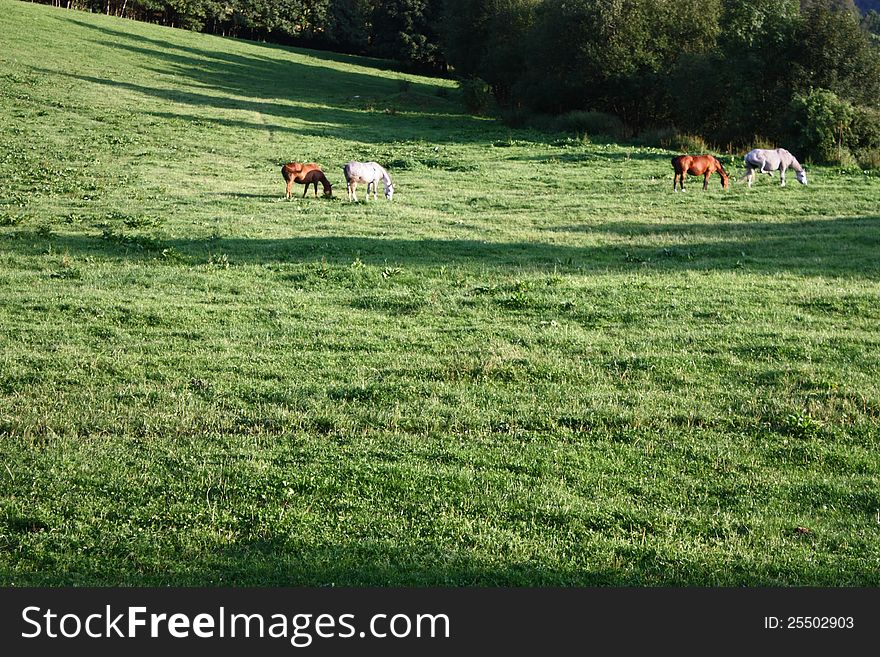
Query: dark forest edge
x,y
683,75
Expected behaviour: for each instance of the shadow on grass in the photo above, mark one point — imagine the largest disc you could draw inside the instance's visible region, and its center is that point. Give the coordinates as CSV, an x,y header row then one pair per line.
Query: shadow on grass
x,y
845,247
279,562
623,153
351,104
382,565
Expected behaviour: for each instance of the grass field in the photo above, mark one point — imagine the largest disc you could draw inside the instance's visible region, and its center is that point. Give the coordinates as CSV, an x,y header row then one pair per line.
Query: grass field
x,y
536,366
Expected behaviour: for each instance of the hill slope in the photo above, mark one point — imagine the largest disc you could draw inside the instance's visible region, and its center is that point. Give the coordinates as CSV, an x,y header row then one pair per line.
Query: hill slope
x,y
537,365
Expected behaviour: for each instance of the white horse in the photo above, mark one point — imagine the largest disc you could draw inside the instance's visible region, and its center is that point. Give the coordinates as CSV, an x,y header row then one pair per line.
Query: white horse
x,y
767,161
370,173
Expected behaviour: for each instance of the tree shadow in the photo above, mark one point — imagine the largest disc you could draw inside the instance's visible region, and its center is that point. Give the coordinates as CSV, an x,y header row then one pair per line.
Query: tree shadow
x,y
322,55
269,197
280,561
330,101
845,247
623,154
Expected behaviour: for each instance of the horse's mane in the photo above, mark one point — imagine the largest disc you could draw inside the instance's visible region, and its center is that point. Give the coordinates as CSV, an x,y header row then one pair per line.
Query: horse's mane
x,y
794,162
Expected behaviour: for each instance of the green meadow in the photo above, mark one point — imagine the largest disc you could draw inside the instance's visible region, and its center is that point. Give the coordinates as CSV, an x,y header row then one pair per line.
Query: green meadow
x,y
537,365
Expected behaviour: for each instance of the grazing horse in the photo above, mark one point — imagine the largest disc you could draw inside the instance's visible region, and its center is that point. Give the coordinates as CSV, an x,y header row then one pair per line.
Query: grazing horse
x,y
305,174
698,165
767,161
370,173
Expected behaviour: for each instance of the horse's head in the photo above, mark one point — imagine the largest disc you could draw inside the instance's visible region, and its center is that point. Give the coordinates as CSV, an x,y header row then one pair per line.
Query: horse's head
x,y
801,177
389,191
725,179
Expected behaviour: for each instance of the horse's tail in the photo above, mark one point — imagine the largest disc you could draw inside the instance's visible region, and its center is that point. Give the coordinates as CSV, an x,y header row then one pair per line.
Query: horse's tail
x,y
346,171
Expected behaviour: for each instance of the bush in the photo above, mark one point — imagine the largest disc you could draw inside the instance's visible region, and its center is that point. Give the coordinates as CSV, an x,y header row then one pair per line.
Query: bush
x,y
476,94
516,117
662,137
865,128
868,158
824,123
668,137
590,123
689,144
760,142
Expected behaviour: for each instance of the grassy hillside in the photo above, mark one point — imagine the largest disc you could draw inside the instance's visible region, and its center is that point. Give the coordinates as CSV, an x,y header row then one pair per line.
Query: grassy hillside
x,y
537,365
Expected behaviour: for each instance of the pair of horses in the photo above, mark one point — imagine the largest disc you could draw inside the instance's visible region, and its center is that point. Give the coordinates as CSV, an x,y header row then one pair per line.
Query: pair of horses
x,y
310,173
759,159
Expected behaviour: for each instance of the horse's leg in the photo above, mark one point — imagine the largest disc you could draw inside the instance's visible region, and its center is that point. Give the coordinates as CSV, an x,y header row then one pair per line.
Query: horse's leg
x,y
674,180
316,189
782,177
750,173
305,191
706,180
289,185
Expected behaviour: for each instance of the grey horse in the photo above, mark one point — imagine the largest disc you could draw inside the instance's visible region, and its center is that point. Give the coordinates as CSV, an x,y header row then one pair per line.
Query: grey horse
x,y
370,173
767,161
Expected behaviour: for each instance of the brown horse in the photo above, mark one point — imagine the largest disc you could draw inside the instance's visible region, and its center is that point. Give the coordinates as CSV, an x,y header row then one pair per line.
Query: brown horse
x,y
305,174
698,165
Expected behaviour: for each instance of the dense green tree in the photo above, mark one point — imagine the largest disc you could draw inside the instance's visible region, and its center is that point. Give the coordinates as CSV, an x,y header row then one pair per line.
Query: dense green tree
x,y
348,25
612,55
834,52
486,38
871,22
742,87
405,30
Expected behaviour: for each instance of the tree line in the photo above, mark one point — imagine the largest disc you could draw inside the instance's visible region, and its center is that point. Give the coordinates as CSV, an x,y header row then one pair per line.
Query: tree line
x,y
403,30
734,72
806,72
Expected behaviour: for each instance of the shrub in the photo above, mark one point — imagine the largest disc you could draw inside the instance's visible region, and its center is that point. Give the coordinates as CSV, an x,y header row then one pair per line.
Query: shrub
x,y
590,123
760,142
868,158
668,137
657,136
865,128
476,94
689,144
516,117
823,122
